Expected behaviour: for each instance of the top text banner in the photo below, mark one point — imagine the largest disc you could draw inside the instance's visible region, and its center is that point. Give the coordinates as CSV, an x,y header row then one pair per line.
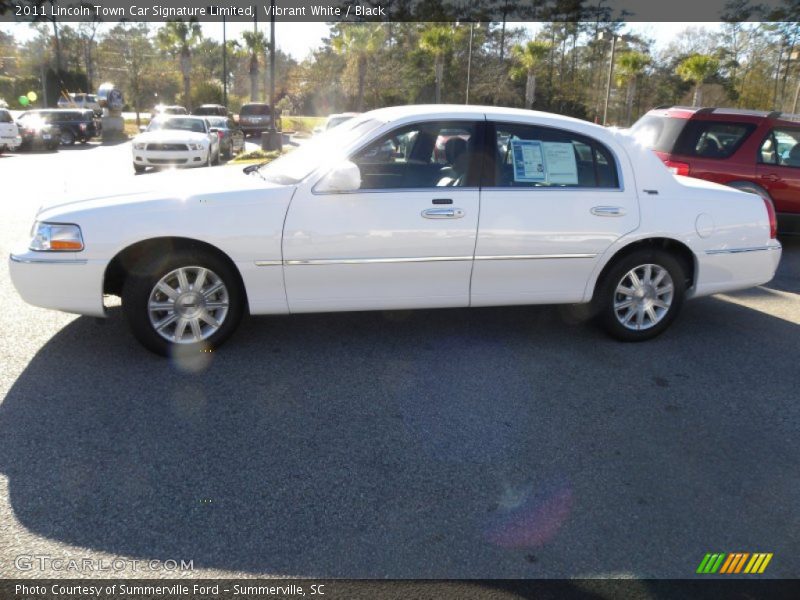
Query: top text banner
x,y
399,10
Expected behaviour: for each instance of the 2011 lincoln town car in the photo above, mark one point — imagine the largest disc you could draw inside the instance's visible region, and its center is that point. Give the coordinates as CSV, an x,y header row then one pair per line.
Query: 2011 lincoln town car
x,y
400,208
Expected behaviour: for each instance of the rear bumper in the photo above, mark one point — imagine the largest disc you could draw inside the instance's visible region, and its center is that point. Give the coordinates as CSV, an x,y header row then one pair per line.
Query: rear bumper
x,y
736,269
64,282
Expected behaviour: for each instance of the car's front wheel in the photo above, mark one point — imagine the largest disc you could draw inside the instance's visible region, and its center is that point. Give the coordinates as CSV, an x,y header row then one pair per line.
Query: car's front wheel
x,y
641,294
189,301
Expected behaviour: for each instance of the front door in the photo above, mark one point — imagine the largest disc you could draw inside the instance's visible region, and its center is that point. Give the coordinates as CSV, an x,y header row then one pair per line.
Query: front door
x,y
405,239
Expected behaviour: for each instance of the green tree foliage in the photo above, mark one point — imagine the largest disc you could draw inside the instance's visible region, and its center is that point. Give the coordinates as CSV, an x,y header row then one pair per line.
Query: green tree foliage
x,y
527,59
357,43
697,69
179,38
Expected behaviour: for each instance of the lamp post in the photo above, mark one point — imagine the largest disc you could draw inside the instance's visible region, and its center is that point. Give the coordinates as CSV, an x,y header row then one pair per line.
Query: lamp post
x,y
469,58
610,74
224,63
274,139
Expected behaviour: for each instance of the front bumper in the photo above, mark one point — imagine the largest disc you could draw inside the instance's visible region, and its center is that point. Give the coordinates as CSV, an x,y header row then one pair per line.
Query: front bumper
x,y
170,158
59,281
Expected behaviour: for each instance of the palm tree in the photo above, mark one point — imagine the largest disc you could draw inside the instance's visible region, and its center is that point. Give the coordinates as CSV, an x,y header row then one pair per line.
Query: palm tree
x,y
437,41
256,42
698,68
527,58
178,38
631,65
358,42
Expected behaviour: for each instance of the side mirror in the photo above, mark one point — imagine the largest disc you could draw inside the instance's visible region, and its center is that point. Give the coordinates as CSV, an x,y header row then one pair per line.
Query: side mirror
x,y
344,177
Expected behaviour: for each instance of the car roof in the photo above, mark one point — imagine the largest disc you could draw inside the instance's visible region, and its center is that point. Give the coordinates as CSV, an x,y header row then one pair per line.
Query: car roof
x,y
396,113
721,113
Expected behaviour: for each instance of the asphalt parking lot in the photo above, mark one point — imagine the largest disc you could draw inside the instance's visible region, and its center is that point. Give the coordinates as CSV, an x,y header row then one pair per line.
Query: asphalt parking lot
x,y
506,442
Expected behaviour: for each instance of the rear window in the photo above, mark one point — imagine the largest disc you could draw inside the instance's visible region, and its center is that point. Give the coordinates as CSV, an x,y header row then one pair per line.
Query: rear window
x,y
5,116
255,109
712,139
658,133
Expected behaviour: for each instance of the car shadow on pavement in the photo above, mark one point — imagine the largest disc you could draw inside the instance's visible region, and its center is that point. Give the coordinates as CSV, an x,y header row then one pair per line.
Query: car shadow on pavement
x,y
507,442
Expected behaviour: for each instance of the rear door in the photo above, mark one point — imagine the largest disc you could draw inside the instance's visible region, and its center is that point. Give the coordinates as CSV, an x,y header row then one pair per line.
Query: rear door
x,y
778,168
553,202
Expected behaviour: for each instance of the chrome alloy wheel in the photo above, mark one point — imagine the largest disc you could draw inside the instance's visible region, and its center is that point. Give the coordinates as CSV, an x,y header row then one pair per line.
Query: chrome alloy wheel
x,y
188,305
643,297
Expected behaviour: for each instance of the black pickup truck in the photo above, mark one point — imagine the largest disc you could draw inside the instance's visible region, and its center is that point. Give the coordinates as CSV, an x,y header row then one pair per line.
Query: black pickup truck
x,y
76,125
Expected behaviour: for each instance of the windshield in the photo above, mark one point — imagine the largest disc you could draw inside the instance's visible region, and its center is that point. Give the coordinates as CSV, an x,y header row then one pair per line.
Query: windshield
x,y
326,147
658,133
196,125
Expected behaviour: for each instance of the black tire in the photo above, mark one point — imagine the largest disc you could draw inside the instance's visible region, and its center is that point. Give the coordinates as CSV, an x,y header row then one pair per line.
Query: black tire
x,y
606,295
217,158
140,284
229,152
139,168
67,138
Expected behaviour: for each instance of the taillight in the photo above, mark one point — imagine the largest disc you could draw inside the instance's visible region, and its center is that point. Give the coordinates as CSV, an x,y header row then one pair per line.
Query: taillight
x,y
83,126
678,168
773,219
220,135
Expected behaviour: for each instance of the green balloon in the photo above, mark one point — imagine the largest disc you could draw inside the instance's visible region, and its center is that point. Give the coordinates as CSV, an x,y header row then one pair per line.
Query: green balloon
x,y
23,100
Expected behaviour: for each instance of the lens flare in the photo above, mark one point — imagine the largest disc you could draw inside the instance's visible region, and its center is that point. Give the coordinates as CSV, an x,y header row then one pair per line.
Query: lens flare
x,y
531,518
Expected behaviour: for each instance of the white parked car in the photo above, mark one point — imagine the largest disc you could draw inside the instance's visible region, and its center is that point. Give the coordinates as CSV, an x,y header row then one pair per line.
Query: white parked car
x,y
176,141
80,100
10,138
562,211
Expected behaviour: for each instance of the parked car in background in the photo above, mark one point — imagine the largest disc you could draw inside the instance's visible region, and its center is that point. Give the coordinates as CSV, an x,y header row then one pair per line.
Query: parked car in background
x,y
754,151
211,110
74,125
176,141
80,100
10,138
231,136
571,213
255,118
164,109
38,132
334,120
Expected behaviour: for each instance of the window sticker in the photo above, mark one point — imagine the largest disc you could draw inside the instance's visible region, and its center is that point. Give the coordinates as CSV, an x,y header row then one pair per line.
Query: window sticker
x,y
561,166
528,160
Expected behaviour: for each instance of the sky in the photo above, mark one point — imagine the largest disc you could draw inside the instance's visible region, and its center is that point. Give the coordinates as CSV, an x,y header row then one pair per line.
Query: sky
x,y
299,39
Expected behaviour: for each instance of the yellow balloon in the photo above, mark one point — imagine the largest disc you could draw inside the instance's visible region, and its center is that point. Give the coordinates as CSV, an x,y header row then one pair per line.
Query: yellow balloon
x,y
32,96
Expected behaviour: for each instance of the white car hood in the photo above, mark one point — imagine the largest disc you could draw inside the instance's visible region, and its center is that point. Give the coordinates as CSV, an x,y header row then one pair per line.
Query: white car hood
x,y
170,135
203,186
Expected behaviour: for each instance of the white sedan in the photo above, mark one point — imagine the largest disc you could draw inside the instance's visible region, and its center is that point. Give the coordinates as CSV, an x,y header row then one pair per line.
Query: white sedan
x,y
176,141
521,207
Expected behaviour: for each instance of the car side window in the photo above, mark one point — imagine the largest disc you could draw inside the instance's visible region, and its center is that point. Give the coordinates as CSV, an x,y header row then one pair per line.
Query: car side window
x,y
712,139
530,156
422,155
782,148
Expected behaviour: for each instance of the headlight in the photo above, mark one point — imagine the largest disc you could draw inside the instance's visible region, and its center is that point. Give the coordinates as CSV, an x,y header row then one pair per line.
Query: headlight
x,y
56,237
138,146
195,146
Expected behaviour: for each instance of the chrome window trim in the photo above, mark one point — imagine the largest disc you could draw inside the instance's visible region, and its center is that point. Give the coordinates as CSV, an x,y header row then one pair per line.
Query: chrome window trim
x,y
48,261
741,250
544,188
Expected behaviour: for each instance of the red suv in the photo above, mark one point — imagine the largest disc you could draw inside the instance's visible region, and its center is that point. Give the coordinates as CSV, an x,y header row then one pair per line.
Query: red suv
x,y
754,151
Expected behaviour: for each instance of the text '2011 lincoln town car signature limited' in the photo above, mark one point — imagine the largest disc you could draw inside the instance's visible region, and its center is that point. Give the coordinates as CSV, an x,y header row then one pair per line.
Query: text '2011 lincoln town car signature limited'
x,y
400,208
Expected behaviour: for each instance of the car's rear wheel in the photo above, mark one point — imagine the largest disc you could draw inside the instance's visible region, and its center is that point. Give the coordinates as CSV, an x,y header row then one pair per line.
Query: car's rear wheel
x,y
188,302
67,138
641,294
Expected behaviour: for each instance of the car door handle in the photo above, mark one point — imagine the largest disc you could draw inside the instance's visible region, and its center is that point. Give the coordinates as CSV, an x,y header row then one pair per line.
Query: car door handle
x,y
608,211
443,213
770,177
